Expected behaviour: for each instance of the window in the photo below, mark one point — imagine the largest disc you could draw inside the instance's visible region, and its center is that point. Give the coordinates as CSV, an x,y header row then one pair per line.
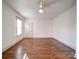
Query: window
x,y
19,26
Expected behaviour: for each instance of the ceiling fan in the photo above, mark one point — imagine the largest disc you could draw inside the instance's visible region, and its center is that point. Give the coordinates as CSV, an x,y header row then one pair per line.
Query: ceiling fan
x,y
41,6
45,4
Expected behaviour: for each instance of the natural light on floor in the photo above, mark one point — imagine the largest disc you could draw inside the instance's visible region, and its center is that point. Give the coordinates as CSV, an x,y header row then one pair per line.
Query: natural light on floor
x,y
25,56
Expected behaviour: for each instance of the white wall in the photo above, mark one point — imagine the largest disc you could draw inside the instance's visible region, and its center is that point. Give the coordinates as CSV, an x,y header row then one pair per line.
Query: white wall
x,y
9,36
64,27
41,27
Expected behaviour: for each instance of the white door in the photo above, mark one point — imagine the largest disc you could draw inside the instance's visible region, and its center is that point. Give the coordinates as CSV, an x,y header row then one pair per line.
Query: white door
x,y
29,29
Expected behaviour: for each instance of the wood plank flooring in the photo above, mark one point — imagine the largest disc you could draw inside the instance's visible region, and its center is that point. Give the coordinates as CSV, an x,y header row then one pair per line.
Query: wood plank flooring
x,y
39,48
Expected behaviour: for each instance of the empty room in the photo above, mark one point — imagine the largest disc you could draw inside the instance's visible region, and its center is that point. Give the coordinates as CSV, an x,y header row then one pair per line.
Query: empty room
x,y
39,29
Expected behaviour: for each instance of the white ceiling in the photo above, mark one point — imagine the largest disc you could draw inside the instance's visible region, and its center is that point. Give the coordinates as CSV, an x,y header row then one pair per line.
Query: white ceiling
x,y
29,8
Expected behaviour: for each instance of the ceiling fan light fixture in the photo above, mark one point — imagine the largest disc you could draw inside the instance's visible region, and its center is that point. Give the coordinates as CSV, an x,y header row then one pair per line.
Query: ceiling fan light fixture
x,y
41,10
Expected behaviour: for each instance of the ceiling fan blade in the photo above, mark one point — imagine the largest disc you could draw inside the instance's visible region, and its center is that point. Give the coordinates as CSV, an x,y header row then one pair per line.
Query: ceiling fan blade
x,y
47,4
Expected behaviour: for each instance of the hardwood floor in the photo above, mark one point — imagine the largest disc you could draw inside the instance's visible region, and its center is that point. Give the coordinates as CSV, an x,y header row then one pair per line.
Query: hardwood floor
x,y
42,48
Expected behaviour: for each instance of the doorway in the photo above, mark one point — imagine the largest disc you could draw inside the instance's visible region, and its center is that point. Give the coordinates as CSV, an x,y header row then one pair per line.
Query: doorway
x,y
29,30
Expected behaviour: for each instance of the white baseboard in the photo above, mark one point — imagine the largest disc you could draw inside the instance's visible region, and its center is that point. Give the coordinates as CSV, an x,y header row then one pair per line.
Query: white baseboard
x,y
65,44
11,45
